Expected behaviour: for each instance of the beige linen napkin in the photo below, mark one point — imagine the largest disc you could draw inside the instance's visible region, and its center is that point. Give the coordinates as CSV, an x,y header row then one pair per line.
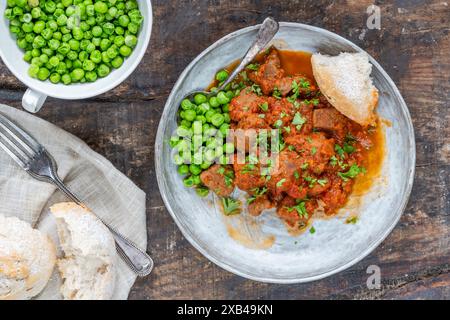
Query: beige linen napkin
x,y
109,193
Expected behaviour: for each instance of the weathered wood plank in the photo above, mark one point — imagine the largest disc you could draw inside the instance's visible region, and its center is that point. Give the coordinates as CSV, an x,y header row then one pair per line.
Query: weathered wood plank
x,y
412,46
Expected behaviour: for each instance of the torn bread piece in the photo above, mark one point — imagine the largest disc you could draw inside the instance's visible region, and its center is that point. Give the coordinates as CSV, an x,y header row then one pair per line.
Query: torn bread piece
x,y
89,263
27,259
345,81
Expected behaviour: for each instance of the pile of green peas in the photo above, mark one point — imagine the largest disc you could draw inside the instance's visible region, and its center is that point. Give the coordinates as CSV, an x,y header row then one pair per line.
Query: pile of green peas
x,y
74,41
200,120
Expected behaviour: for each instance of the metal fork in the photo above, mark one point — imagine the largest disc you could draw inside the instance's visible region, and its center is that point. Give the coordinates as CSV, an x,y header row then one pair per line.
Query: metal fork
x,y
35,160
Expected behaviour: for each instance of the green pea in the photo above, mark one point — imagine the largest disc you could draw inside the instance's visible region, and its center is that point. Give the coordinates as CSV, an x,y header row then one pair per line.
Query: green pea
x,y
53,61
224,129
209,114
186,123
131,41
203,108
103,70
222,75
229,147
195,169
125,51
77,74
190,115
226,108
186,104
183,131
38,27
66,79
43,74
214,102
55,78
201,118
54,44
124,21
217,119
100,7
117,62
91,76
197,127
33,71
88,65
222,98
96,56
196,179
183,169
200,98
188,182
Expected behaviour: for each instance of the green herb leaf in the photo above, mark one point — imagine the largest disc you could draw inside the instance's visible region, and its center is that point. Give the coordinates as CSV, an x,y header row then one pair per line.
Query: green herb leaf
x,y
281,182
253,66
231,206
312,230
322,182
352,172
264,107
298,120
351,220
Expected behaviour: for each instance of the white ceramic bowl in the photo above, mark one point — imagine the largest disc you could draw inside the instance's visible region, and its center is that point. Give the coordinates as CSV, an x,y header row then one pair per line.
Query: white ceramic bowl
x,y
38,91
335,245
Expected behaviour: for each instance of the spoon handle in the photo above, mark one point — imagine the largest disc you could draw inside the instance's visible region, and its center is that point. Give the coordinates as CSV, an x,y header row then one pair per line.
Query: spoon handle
x,y
265,34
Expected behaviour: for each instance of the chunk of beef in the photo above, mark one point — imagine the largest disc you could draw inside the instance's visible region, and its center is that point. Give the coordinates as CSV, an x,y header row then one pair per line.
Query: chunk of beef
x,y
337,194
280,113
316,149
245,104
260,204
306,86
219,179
268,73
283,173
330,120
248,176
291,211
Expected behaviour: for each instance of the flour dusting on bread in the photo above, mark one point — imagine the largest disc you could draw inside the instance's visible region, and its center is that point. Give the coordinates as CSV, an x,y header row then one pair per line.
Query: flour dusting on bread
x,y
345,82
27,259
88,266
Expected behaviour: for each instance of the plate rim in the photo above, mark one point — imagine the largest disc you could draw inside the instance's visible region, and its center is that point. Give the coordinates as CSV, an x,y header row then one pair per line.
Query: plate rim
x,y
267,279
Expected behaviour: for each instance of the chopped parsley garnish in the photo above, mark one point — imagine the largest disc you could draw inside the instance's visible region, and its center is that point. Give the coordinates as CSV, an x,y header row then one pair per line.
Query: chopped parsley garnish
x,y
264,107
258,192
352,172
313,150
261,115
298,121
278,123
276,93
339,150
304,83
256,89
312,181
348,148
248,168
300,208
287,129
253,66
333,161
351,220
322,182
296,175
312,230
231,206
305,166
281,182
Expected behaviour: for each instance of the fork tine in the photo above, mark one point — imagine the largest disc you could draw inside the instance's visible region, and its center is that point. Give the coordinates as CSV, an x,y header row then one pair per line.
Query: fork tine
x,y
11,150
19,135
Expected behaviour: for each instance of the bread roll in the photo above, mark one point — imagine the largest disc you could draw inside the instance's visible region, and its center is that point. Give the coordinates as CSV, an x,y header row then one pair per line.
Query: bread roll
x,y
88,267
345,81
27,259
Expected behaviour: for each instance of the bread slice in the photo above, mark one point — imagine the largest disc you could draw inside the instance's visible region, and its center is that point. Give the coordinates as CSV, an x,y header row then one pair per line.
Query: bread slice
x,y
27,259
345,81
88,267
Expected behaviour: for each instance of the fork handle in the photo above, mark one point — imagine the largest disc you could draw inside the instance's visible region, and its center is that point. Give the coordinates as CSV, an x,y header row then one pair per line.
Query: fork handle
x,y
138,261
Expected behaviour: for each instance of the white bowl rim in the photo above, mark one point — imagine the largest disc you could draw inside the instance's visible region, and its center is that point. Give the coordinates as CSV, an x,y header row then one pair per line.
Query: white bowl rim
x,y
191,237
90,93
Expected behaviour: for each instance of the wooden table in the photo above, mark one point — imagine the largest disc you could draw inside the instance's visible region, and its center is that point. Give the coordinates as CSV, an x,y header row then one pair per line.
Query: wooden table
x,y
413,46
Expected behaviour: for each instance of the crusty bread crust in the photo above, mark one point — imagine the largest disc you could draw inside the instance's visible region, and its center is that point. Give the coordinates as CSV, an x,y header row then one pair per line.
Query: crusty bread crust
x,y
88,267
345,81
27,259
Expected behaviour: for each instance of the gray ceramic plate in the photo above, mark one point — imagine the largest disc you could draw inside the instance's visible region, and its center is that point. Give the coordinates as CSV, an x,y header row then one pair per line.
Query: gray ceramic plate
x,y
336,245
